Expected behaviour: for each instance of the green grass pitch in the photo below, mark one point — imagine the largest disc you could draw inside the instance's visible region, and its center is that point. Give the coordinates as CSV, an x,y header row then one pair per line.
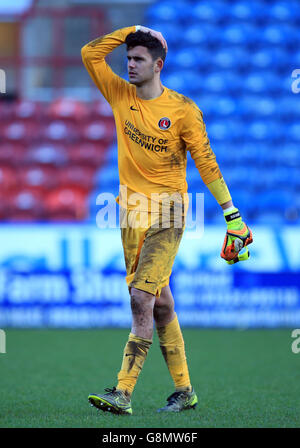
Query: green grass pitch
x,y
242,378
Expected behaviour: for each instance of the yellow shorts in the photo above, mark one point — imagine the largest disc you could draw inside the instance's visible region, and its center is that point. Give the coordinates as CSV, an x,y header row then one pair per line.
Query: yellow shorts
x,y
150,245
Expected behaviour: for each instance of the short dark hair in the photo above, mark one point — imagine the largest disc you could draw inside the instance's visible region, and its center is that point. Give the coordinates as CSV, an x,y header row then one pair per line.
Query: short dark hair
x,y
153,45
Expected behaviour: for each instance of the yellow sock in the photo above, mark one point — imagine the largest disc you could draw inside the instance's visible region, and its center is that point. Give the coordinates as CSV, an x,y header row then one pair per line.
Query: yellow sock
x,y
172,347
135,353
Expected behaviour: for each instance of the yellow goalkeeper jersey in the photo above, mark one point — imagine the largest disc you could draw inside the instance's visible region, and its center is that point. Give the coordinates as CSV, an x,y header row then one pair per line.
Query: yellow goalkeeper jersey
x,y
153,135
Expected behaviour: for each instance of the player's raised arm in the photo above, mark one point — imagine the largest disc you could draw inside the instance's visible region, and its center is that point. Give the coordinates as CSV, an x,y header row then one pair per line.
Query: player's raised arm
x,y
238,234
93,56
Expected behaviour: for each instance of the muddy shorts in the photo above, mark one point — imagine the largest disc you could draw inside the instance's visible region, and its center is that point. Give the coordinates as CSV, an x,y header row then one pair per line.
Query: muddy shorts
x,y
150,245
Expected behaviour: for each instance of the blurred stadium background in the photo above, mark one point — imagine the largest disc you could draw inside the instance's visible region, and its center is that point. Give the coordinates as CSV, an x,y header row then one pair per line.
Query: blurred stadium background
x,y
58,152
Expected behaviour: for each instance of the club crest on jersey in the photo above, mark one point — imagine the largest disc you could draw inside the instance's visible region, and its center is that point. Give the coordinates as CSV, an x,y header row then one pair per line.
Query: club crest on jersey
x,y
164,123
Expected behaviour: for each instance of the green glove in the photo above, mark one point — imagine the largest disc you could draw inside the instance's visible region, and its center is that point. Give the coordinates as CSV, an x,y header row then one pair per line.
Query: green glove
x,y
238,235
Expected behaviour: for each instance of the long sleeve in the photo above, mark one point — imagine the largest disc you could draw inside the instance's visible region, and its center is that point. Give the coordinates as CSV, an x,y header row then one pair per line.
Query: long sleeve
x,y
93,56
195,137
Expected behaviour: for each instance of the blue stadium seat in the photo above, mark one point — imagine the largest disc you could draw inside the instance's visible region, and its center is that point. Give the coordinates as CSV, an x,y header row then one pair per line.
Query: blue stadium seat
x,y
207,11
206,103
264,130
269,57
295,58
225,153
289,155
186,82
201,35
107,177
231,58
187,58
236,177
280,34
262,81
293,132
166,12
193,177
223,106
246,11
265,107
222,82
241,153
246,105
257,106
192,81
225,130
280,200
284,11
289,107
173,81
218,131
170,31
263,151
211,207
288,84
274,218
283,176
240,34
243,198
275,177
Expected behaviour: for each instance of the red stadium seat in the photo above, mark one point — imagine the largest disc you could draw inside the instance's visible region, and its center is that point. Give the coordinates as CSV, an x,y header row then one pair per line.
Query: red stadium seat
x,y
38,177
76,175
47,154
66,204
20,131
12,154
8,178
101,109
25,110
4,204
88,153
67,109
59,131
6,111
26,205
98,130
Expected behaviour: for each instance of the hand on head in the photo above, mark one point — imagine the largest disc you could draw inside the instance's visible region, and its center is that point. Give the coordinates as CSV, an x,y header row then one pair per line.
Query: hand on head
x,y
156,34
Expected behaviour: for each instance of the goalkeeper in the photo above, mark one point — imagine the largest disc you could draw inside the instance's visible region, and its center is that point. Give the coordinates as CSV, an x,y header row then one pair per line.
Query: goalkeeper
x,y
155,126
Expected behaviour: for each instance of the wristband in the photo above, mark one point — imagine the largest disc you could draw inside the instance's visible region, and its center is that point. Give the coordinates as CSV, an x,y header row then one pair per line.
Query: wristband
x,y
219,190
230,216
229,209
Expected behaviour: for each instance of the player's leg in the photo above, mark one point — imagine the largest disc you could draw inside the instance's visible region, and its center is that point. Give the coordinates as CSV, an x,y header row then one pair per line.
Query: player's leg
x,y
142,303
172,346
117,400
155,259
139,341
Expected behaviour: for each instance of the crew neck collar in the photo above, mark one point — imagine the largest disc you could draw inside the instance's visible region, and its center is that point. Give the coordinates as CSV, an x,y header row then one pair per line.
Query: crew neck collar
x,y
153,99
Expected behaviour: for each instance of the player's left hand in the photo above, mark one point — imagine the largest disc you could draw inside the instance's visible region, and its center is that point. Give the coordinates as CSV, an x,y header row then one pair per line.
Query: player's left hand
x,y
156,34
238,235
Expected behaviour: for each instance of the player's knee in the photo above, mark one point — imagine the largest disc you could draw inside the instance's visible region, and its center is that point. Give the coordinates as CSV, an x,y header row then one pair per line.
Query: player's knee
x,y
141,301
163,311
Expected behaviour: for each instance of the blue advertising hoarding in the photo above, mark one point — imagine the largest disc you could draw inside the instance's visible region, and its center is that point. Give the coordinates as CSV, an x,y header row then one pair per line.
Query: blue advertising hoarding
x,y
73,276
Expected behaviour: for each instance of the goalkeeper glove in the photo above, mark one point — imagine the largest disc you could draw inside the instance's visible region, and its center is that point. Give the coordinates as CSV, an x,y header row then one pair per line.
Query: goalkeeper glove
x,y
238,235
